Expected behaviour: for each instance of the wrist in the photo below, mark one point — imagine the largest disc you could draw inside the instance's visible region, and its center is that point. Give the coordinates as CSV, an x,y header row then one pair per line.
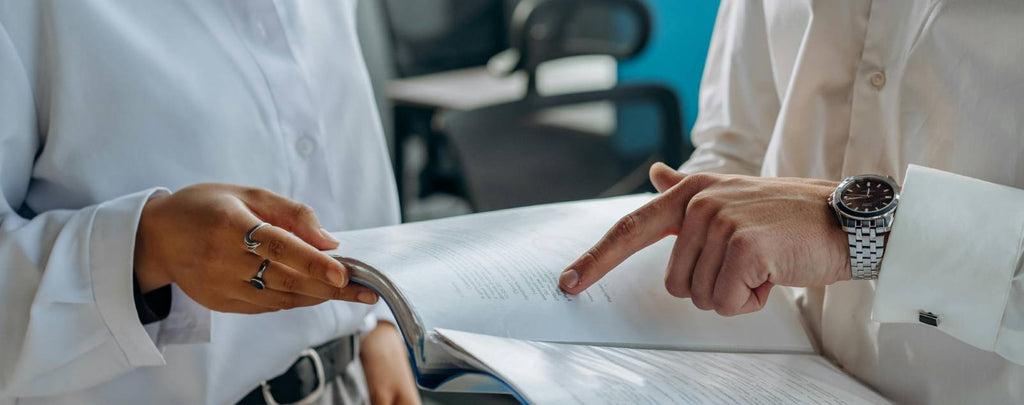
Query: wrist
x,y
383,338
843,264
865,206
149,275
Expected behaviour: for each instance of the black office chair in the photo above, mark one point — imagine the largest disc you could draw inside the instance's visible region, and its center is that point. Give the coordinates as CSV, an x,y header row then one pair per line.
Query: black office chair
x,y
565,147
572,146
545,30
429,36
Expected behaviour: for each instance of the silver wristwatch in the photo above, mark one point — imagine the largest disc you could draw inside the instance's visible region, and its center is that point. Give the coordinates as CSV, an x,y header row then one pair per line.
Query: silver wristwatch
x,y
865,206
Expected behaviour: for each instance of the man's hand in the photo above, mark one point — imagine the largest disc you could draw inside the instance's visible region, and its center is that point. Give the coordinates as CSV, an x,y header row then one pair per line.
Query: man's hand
x,y
194,238
386,365
737,236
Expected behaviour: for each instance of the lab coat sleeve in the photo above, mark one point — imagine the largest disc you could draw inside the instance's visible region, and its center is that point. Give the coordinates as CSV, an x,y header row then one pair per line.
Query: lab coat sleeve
x,y
67,315
955,250
738,97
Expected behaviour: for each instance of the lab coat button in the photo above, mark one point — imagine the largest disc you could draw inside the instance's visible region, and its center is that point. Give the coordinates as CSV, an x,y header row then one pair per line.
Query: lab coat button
x,y
877,79
305,146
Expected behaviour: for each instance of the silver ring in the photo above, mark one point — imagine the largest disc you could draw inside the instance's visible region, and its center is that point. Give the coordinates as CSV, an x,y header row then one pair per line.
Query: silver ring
x,y
258,280
249,242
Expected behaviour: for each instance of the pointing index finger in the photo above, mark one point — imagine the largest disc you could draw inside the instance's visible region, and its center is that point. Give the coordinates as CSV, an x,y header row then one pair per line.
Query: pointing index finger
x,y
633,232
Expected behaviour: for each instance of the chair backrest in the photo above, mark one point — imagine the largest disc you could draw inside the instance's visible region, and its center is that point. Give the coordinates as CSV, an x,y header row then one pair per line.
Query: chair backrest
x,y
430,36
566,147
545,30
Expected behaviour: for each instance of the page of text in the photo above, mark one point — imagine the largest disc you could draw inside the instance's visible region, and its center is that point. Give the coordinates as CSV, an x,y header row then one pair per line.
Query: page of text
x,y
551,373
496,274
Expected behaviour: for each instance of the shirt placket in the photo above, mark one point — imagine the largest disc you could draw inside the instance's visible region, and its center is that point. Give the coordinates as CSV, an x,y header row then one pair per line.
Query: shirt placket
x,y
865,145
297,116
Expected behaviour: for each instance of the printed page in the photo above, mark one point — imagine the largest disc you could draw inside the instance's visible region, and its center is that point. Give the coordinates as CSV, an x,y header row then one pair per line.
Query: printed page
x,y
552,373
496,274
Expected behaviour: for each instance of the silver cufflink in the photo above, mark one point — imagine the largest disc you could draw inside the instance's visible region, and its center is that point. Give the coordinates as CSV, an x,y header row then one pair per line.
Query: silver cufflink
x,y
928,318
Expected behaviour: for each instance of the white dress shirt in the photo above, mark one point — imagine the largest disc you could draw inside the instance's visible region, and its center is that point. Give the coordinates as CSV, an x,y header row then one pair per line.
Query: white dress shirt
x,y
828,89
105,104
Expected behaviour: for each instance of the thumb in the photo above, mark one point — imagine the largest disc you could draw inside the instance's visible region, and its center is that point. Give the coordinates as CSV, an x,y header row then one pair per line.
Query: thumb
x,y
664,177
292,216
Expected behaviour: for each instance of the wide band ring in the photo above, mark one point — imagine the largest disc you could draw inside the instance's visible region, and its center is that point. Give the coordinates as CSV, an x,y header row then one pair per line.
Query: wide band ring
x,y
248,240
258,280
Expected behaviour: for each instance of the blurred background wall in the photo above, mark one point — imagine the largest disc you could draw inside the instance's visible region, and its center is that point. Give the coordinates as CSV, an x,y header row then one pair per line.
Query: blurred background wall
x,y
677,50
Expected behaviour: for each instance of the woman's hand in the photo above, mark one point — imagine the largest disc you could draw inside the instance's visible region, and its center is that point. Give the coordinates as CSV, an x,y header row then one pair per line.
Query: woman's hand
x,y
194,238
737,236
386,365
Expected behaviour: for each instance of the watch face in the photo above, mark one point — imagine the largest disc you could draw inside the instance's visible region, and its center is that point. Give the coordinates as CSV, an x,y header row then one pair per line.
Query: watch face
x,y
867,196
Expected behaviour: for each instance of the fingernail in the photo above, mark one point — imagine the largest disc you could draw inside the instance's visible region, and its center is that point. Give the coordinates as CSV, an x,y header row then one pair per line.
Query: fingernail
x,y
569,279
367,297
328,235
334,276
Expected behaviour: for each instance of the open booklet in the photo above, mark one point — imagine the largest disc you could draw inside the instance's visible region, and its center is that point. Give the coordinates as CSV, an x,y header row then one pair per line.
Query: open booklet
x,y
473,296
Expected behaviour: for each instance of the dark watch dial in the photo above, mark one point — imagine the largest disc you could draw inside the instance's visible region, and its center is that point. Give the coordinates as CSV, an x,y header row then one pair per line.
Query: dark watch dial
x,y
867,195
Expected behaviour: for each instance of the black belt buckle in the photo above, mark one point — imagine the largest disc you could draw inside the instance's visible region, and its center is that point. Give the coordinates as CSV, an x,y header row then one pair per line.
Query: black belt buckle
x,y
318,366
322,363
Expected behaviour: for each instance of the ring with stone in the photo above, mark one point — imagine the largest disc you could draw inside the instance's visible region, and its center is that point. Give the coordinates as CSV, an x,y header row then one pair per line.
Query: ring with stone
x,y
258,280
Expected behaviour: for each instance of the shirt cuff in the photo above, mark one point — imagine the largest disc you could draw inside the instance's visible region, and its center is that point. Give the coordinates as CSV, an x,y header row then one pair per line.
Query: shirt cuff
x,y
953,251
188,322
111,263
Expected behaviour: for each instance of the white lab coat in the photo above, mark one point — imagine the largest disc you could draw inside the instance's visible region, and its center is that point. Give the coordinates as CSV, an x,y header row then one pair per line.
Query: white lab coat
x,y
828,89
106,104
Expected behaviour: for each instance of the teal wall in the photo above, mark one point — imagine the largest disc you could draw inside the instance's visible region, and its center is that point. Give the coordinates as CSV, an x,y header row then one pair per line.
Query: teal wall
x,y
675,55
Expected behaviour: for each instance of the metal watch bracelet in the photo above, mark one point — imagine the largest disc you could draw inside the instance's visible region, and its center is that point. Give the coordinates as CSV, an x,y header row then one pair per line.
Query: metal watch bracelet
x,y
867,246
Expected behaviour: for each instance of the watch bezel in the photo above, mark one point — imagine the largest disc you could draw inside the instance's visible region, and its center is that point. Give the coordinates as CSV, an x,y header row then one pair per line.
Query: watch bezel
x,y
848,212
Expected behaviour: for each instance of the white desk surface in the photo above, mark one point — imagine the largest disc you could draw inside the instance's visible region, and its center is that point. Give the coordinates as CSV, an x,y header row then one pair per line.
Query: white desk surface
x,y
472,88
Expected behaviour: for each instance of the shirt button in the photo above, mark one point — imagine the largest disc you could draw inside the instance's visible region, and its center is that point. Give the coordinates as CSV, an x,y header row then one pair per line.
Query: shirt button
x,y
877,79
305,146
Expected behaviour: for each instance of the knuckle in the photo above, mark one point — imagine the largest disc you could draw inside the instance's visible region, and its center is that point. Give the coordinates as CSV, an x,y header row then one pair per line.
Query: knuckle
x,y
743,243
589,259
703,203
722,305
315,267
256,193
700,180
733,181
302,212
220,216
276,248
724,224
700,300
678,290
338,294
746,248
289,283
629,226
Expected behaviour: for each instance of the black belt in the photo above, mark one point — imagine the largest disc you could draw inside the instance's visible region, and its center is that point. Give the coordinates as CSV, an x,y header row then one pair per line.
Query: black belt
x,y
307,378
